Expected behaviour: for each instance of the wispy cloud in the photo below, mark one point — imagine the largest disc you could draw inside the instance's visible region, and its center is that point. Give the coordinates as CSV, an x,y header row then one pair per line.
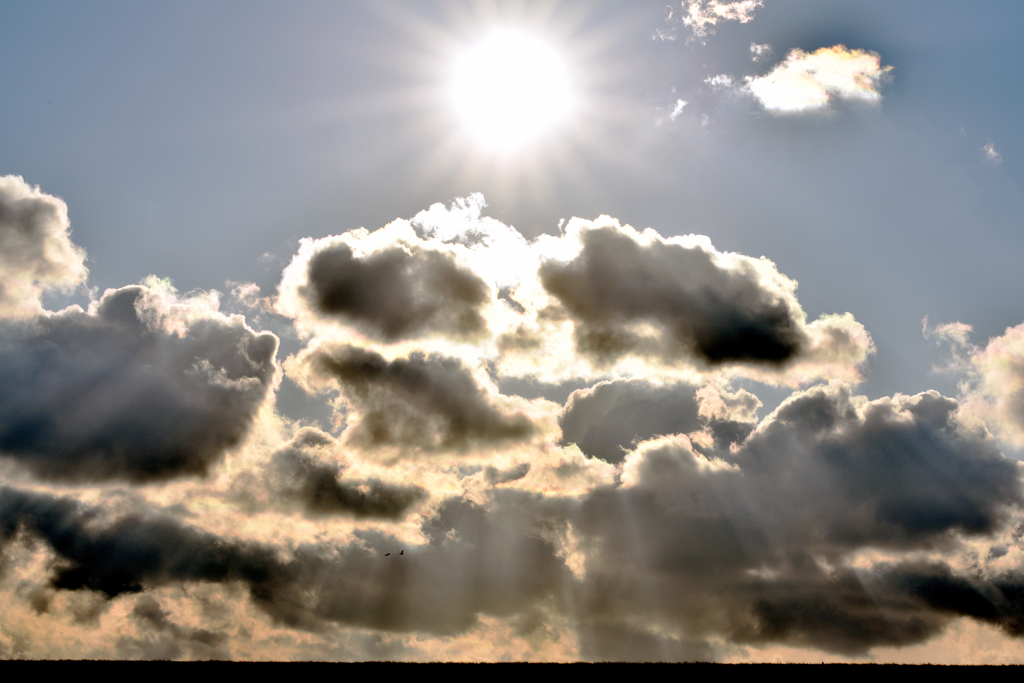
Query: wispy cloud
x,y
991,154
759,52
700,17
719,81
677,109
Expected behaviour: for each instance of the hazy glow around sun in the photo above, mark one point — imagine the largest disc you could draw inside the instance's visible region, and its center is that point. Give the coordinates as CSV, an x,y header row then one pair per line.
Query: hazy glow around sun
x,y
510,88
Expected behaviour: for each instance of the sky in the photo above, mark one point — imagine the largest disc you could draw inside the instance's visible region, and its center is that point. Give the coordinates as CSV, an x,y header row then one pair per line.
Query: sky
x,y
530,331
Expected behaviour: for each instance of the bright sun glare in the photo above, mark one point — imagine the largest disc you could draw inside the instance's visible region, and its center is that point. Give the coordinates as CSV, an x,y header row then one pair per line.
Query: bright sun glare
x,y
510,88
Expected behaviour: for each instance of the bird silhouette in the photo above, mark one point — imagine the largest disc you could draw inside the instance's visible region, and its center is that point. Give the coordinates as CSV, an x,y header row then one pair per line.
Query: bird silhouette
x,y
386,554
402,553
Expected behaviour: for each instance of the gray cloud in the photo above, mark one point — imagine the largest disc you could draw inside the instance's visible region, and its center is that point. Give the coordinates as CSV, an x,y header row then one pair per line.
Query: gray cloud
x,y
610,417
36,251
890,603
751,545
761,537
132,552
398,292
298,474
702,307
430,401
474,562
111,394
166,640
616,642
897,471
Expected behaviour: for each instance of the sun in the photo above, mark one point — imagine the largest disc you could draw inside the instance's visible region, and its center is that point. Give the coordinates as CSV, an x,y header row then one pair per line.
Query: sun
x,y
510,88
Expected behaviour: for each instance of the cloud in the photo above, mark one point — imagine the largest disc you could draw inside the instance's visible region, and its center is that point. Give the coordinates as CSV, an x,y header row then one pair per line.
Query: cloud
x,y
540,308
677,109
298,473
132,552
991,154
760,51
650,517
247,294
720,81
390,285
896,471
616,642
764,537
810,81
498,252
36,252
612,416
667,32
774,541
472,562
994,392
671,301
704,308
144,387
431,401
701,16
166,640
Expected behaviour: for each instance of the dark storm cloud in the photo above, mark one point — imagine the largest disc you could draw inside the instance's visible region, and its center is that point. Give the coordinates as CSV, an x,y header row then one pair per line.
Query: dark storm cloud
x,y
132,552
474,562
701,307
760,537
496,476
610,417
896,471
36,251
399,292
616,642
891,603
430,401
751,546
112,395
297,473
165,640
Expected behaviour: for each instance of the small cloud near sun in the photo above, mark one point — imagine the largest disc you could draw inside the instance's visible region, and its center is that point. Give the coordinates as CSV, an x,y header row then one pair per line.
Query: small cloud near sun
x,y
810,81
698,15
701,16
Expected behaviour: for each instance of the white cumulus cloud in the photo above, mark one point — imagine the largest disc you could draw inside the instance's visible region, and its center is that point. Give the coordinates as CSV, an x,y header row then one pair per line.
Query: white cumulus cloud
x,y
809,81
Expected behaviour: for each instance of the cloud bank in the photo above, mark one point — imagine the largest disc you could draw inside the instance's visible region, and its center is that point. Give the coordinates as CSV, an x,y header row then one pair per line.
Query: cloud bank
x,y
561,458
